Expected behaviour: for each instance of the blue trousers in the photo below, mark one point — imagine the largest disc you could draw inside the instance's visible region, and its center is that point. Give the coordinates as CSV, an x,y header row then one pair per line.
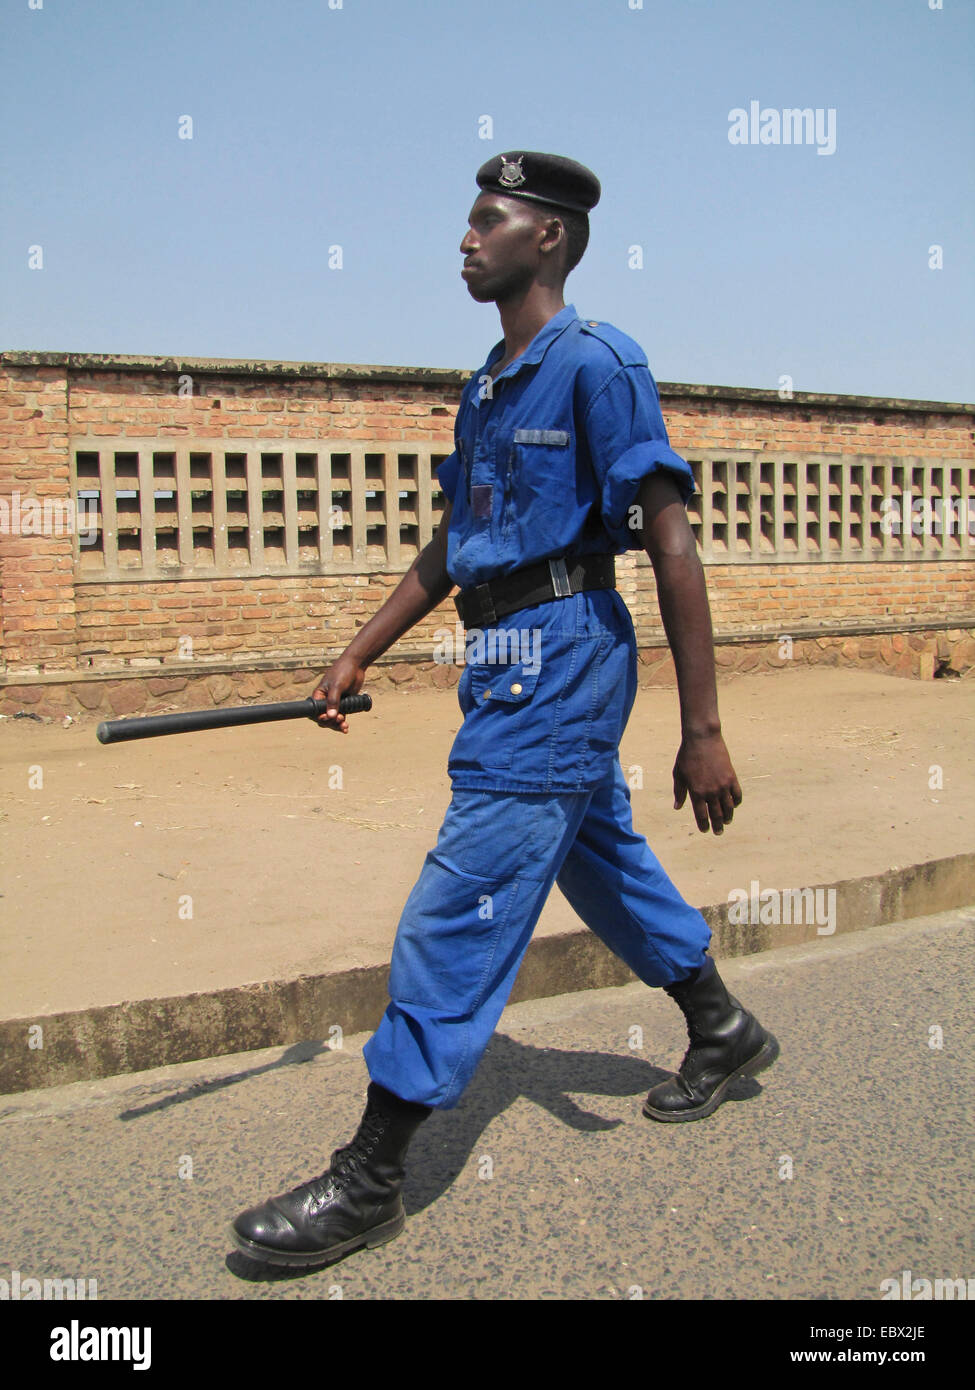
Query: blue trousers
x,y
468,921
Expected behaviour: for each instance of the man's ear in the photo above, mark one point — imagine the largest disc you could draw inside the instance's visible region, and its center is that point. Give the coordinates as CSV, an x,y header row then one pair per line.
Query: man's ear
x,y
555,235
555,246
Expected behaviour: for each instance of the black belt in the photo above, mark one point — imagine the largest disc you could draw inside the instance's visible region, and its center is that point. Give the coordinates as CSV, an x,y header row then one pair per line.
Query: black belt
x,y
483,604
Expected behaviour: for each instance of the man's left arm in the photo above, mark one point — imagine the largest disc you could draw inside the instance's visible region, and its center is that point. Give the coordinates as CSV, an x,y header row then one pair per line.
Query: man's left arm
x,y
703,767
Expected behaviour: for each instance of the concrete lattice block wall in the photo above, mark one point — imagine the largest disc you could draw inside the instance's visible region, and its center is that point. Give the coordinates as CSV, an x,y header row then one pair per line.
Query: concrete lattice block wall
x,y
244,516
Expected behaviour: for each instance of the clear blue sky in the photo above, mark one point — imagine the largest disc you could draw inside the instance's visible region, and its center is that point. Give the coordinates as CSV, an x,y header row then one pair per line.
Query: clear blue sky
x,y
358,126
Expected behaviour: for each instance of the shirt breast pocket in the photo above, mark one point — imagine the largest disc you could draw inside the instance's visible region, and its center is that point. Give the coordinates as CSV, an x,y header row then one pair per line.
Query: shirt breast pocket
x,y
535,470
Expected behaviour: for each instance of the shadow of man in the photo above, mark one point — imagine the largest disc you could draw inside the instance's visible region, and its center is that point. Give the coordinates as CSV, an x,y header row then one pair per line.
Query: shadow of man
x,y
509,1071
547,1076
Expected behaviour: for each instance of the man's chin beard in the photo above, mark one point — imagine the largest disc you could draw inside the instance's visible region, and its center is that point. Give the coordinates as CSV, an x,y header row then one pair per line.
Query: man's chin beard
x,y
498,292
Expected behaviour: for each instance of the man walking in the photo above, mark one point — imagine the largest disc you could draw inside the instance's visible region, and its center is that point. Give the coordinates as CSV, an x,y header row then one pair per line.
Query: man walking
x,y
561,462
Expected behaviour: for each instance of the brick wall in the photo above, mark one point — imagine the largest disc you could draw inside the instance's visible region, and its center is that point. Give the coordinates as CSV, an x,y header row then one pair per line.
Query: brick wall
x,y
37,608
66,622
828,597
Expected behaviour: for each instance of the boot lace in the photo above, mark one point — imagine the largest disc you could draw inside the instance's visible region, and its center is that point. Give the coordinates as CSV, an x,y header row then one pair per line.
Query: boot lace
x,y
346,1159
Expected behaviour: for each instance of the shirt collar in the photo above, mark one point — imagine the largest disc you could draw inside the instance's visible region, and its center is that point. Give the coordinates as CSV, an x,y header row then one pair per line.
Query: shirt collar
x,y
538,346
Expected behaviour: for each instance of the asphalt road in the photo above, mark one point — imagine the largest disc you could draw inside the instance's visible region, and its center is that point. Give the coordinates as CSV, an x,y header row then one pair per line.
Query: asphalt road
x,y
846,1164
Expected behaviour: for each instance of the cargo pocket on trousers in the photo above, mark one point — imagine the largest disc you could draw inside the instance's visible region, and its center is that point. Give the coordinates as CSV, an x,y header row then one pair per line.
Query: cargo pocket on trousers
x,y
503,717
509,685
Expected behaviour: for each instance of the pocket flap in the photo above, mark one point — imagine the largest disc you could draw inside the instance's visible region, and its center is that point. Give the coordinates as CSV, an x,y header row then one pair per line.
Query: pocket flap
x,y
509,684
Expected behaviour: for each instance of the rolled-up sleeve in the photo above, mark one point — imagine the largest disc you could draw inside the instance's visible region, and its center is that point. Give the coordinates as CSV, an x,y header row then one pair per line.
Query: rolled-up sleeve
x,y
628,441
447,475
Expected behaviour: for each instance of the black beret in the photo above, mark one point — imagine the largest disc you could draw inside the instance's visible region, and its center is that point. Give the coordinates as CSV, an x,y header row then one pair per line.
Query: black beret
x,y
542,178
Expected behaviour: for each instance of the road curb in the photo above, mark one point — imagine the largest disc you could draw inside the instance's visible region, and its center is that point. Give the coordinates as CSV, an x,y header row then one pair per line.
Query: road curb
x,y
137,1035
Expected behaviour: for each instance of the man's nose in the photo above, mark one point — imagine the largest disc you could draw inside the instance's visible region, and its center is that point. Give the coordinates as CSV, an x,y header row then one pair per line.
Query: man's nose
x,y
469,243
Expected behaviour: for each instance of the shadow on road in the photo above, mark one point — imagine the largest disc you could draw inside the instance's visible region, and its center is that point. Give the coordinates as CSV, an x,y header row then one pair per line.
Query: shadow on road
x,y
548,1077
510,1071
300,1052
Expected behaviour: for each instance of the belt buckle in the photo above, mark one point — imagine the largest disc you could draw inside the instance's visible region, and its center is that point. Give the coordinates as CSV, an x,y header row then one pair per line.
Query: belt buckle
x,y
560,578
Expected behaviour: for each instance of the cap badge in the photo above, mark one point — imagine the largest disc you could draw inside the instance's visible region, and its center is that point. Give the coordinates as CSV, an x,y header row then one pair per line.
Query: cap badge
x,y
511,175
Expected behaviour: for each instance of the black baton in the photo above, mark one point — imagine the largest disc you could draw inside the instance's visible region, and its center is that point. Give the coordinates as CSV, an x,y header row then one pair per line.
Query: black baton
x,y
189,721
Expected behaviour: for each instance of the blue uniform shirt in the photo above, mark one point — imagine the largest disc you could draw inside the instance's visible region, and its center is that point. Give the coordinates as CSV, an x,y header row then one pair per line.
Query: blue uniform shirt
x,y
549,457
548,461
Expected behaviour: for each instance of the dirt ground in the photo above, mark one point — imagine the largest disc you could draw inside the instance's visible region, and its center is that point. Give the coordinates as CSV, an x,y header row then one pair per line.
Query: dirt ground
x,y
190,863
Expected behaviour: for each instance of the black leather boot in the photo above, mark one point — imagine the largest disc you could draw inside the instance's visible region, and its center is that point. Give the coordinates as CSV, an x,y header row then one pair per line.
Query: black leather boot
x,y
726,1042
356,1202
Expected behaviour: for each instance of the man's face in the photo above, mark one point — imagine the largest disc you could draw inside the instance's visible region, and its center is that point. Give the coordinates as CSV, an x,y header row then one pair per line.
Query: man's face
x,y
501,248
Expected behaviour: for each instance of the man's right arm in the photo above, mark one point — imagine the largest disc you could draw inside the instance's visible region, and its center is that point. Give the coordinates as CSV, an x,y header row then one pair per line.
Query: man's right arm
x,y
425,584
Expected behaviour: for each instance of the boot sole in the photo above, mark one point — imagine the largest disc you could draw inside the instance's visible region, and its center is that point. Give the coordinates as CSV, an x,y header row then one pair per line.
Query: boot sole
x,y
310,1259
766,1055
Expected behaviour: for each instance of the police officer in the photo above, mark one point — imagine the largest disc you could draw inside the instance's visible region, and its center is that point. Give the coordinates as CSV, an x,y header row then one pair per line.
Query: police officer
x,y
561,462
